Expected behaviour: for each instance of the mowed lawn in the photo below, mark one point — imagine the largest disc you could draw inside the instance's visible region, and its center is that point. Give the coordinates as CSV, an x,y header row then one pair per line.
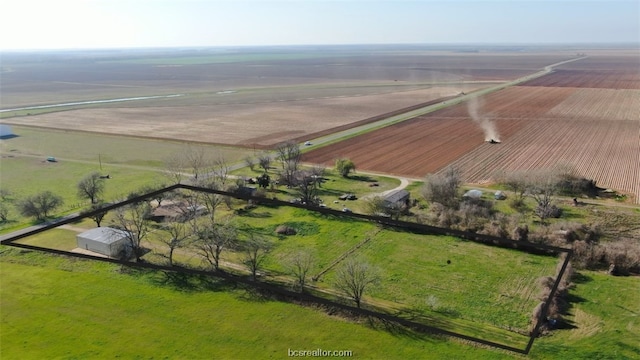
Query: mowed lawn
x,y
26,176
53,308
56,307
110,149
460,278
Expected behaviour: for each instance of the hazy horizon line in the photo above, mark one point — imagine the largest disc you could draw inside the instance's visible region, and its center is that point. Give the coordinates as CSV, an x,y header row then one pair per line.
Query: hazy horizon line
x,y
626,44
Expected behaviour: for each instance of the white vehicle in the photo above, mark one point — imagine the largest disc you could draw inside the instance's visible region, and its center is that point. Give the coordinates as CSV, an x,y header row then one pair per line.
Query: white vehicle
x,y
307,143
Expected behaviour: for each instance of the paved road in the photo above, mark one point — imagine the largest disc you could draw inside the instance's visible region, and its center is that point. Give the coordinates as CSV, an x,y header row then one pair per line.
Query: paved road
x,y
35,227
325,140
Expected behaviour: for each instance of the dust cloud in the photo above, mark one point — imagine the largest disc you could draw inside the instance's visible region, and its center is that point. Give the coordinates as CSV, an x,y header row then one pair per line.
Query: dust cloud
x,y
475,107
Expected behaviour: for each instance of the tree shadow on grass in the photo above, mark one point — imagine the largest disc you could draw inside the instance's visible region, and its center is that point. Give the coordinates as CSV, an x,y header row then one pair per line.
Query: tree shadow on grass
x,y
255,214
364,178
579,278
396,329
251,294
185,282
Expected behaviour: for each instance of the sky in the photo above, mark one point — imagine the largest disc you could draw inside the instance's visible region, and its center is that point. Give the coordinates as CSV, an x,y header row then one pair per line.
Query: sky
x,y
83,24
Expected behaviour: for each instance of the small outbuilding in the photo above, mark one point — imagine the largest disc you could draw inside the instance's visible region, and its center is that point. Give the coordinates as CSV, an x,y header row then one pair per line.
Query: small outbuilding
x,y
395,198
105,240
6,132
473,194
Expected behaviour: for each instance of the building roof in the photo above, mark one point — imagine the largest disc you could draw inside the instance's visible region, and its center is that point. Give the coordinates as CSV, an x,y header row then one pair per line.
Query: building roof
x,y
105,235
397,196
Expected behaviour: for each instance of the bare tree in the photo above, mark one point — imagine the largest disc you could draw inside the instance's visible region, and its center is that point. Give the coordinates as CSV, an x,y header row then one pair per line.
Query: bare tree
x,y
133,219
250,161
98,216
179,233
217,179
39,205
174,168
375,206
214,239
255,251
289,154
354,277
264,160
542,187
317,174
307,190
517,182
159,197
195,159
299,264
91,187
188,203
443,188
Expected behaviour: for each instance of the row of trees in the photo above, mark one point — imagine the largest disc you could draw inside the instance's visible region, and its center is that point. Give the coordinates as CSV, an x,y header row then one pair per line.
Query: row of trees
x,y
542,186
210,238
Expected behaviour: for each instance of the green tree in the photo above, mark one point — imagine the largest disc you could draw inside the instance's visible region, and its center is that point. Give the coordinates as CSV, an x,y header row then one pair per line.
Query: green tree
x,y
91,187
344,166
133,219
178,236
214,239
98,216
40,205
4,211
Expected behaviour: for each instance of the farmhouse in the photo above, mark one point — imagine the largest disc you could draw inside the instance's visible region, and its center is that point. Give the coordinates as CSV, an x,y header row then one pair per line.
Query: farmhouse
x,y
176,211
105,240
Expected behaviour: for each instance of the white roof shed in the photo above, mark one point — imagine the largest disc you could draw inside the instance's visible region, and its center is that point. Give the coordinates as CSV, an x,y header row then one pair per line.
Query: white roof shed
x,y
5,131
104,240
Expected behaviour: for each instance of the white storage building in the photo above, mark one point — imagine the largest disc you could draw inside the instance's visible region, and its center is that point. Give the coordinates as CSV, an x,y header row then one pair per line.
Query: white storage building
x,y
105,240
5,131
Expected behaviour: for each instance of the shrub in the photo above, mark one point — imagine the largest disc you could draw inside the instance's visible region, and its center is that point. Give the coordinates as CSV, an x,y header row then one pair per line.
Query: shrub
x,y
443,188
521,232
285,230
624,255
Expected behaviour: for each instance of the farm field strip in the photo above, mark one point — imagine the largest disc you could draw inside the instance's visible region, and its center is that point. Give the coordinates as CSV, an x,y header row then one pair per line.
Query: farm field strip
x,y
603,79
260,124
604,151
605,104
515,102
428,143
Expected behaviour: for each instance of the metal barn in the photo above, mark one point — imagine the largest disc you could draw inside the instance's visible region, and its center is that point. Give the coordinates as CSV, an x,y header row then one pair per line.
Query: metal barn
x,y
105,240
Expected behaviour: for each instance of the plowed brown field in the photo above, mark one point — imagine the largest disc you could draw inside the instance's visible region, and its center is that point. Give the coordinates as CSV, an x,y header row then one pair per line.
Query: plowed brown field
x,y
414,147
603,79
596,131
602,72
603,104
608,152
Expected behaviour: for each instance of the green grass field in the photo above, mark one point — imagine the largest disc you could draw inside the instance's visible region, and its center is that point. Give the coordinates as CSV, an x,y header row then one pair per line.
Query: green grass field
x,y
56,307
131,163
482,293
109,149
